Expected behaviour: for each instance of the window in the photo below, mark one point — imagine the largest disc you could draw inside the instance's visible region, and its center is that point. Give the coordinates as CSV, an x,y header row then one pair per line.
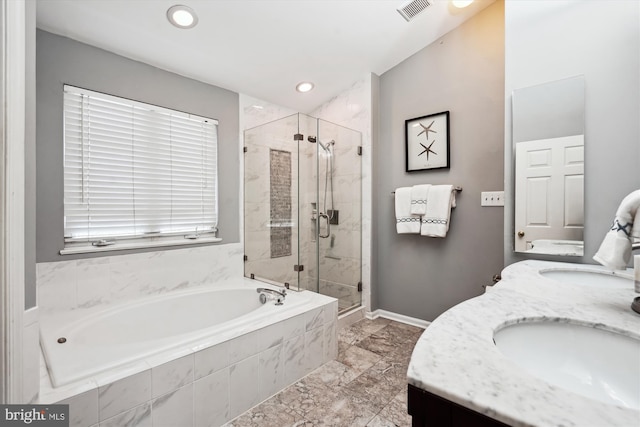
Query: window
x,y
136,175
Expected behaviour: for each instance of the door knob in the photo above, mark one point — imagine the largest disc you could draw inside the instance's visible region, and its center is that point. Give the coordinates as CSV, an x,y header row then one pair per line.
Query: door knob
x,y
520,233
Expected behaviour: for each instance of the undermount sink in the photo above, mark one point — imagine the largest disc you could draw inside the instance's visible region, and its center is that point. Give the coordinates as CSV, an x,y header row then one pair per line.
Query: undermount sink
x,y
592,278
595,363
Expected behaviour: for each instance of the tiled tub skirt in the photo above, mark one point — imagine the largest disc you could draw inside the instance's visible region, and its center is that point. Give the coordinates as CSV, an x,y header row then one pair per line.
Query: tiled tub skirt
x,y
210,382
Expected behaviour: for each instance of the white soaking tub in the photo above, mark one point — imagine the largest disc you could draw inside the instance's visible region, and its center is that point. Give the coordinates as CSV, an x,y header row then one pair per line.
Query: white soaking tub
x,y
85,343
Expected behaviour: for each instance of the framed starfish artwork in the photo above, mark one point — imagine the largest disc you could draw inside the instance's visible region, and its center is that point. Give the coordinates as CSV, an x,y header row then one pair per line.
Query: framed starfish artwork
x,y
427,142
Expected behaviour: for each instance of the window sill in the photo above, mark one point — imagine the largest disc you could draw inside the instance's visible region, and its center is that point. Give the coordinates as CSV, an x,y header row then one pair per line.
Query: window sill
x,y
137,245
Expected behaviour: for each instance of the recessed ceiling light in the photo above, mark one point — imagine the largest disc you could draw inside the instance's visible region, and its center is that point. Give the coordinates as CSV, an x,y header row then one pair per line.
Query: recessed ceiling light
x,y
182,16
304,87
461,3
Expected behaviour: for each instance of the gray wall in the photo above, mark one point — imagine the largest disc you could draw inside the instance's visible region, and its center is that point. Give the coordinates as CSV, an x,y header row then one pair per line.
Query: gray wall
x,y
61,60
462,72
548,41
30,158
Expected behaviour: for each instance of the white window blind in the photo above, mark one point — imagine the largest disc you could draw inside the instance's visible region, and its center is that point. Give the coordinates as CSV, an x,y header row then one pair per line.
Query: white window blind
x,y
134,170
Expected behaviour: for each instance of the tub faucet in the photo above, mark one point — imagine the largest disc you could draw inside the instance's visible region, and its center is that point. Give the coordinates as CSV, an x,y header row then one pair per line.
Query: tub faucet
x,y
279,295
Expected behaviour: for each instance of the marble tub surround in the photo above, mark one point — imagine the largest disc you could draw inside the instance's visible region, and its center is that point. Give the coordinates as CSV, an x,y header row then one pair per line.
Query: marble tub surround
x,y
211,381
91,282
102,340
365,386
457,359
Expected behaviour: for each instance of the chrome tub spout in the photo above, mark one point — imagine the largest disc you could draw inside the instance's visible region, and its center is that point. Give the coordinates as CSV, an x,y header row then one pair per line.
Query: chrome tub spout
x,y
279,295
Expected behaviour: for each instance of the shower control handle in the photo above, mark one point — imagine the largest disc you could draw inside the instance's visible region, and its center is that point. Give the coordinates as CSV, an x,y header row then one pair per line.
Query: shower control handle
x,y
326,217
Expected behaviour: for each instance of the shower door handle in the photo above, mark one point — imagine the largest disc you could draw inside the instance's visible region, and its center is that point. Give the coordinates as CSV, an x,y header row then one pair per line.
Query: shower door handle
x,y
326,217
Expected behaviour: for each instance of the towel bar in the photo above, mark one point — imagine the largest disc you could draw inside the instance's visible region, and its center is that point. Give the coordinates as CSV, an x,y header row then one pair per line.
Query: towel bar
x,y
458,189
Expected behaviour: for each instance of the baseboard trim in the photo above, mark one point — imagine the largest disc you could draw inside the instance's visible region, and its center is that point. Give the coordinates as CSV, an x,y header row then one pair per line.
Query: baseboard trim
x,y
397,317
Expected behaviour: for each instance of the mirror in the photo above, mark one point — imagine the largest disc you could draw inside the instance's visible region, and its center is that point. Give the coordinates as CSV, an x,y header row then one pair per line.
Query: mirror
x,y
548,133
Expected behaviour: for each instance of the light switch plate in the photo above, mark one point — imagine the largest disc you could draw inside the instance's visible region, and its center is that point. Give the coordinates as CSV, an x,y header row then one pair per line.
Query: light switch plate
x,y
492,198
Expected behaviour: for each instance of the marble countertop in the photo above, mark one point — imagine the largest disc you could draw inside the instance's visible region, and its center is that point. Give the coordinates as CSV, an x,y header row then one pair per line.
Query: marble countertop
x,y
455,357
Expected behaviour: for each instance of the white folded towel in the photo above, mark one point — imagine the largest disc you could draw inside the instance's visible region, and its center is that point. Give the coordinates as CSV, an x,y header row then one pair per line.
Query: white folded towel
x,y
615,250
635,229
419,195
405,222
440,200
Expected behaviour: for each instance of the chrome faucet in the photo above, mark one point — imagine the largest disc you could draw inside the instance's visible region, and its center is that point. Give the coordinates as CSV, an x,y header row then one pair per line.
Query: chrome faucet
x,y
278,295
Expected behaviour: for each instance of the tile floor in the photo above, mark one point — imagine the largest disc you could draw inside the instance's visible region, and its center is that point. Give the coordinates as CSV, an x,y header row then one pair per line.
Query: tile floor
x,y
365,386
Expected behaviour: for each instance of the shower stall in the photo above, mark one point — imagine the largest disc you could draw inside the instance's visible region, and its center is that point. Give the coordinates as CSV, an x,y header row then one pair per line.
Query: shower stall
x,y
302,207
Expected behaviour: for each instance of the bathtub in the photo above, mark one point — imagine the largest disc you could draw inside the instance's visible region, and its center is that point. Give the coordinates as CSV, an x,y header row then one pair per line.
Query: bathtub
x,y
193,331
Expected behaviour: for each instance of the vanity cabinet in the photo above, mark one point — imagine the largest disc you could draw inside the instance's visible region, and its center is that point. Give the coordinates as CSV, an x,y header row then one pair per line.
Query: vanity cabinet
x,y
428,410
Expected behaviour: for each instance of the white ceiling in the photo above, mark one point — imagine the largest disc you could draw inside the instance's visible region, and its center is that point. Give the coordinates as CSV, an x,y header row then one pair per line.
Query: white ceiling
x,y
261,48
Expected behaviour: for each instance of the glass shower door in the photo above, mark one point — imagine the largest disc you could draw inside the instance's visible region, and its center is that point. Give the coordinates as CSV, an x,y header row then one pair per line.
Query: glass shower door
x,y
302,207
339,201
271,186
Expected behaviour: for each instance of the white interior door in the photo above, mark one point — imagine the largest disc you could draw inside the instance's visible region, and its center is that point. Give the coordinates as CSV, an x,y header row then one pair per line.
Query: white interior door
x,y
550,190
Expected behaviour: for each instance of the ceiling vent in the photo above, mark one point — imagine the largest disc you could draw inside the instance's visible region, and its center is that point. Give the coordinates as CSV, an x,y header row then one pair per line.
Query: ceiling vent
x,y
412,8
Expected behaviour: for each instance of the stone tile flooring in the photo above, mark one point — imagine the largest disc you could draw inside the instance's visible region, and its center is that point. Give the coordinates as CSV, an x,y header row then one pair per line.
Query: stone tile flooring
x,y
365,386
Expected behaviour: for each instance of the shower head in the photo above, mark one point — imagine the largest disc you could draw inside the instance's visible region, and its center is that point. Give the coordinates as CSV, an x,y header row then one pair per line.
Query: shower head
x,y
326,147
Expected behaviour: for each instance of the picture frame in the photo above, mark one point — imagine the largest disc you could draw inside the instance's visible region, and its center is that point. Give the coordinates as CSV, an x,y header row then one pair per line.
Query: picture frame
x,y
427,144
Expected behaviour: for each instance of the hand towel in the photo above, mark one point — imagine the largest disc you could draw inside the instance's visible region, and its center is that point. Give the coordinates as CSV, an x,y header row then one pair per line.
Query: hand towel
x,y
440,200
405,222
419,199
615,250
635,229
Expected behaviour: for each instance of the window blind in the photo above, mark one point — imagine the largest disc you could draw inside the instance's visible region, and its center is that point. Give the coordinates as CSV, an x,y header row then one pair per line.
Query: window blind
x,y
134,170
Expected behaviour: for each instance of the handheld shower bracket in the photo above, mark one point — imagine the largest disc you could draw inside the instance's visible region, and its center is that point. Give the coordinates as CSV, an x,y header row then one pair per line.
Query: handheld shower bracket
x,y
333,216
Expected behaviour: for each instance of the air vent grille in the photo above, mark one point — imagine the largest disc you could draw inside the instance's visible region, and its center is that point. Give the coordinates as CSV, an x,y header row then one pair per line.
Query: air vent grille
x,y
412,8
